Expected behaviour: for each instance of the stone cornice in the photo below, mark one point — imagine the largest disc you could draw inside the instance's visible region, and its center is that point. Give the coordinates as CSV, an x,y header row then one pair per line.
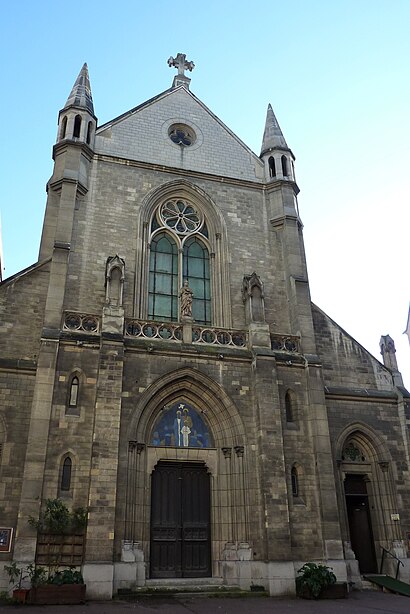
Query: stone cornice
x,y
18,365
256,185
62,146
360,394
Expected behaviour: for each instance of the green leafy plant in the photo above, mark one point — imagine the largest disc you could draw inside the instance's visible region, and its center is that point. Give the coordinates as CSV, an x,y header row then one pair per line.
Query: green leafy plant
x,y
66,576
37,575
315,578
57,518
16,574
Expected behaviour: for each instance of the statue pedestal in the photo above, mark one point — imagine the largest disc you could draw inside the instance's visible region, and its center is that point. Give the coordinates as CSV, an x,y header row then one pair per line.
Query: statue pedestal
x,y
259,335
186,322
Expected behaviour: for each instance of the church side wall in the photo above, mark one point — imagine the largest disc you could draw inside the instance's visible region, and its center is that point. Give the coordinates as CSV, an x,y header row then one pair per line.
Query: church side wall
x,y
16,393
72,434
345,362
22,303
304,510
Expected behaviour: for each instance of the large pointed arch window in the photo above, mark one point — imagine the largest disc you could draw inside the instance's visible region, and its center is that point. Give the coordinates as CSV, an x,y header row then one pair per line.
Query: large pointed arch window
x,y
178,251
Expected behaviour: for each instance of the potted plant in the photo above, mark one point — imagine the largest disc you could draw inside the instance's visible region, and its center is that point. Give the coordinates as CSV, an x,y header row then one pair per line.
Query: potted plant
x,y
17,575
59,588
314,581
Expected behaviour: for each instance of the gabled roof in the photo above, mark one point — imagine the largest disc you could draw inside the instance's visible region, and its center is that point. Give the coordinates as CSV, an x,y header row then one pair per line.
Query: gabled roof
x,y
169,92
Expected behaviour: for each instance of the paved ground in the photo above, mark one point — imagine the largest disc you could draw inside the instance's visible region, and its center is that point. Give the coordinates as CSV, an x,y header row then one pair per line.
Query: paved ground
x,y
365,602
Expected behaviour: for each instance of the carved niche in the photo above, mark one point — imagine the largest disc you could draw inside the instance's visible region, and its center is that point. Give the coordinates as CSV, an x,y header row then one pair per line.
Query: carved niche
x,y
253,298
114,281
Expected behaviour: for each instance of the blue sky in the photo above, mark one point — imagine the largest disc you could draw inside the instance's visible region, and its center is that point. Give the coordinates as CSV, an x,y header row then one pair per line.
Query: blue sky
x,y
336,74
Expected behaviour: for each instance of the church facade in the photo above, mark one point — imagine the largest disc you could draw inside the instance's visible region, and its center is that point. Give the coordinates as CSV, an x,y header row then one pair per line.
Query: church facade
x,y
163,365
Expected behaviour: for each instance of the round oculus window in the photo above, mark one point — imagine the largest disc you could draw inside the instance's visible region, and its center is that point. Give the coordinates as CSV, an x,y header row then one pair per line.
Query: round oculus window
x,y
183,135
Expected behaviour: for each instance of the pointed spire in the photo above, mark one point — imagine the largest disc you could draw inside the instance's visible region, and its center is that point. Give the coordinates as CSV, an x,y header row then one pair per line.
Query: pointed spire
x,y
272,137
80,95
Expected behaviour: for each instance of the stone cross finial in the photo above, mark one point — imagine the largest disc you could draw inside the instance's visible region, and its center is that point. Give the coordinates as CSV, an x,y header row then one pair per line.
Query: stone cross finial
x,y
182,64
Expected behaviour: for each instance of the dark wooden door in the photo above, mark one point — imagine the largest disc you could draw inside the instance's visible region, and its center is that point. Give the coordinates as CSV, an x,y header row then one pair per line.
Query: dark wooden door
x,y
358,513
180,521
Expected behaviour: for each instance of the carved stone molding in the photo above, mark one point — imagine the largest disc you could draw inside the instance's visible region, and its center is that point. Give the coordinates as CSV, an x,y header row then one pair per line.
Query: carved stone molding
x,y
384,466
227,452
132,445
239,450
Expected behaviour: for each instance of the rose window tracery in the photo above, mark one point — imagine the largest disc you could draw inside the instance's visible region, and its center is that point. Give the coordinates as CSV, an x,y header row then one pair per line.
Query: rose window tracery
x,y
180,216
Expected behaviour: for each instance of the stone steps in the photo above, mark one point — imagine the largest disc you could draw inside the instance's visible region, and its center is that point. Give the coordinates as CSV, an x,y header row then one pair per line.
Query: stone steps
x,y
188,587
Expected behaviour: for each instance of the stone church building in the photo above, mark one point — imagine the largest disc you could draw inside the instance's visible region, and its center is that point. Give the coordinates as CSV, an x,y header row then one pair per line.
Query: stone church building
x,y
162,364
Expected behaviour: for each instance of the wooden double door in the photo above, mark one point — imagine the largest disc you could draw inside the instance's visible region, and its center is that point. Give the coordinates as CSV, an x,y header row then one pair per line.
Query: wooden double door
x,y
180,521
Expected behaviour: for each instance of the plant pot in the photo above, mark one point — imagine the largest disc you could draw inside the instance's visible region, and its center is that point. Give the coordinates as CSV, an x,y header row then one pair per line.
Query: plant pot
x,y
54,594
21,594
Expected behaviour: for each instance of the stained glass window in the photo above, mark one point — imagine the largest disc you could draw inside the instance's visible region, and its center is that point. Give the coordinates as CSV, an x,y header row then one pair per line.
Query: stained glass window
x,y
177,254
163,279
196,271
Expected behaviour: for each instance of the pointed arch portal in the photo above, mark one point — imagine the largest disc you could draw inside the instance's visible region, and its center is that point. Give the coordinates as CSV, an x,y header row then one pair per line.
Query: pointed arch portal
x,y
185,459
367,494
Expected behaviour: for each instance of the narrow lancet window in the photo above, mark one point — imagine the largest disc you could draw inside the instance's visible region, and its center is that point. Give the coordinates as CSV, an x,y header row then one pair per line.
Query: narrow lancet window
x,y
285,171
89,132
289,407
196,271
63,128
163,279
74,389
77,127
65,484
272,167
295,482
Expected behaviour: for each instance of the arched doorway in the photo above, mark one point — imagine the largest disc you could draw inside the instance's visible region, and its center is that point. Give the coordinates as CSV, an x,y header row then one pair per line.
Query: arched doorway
x,y
185,437
366,493
180,520
360,523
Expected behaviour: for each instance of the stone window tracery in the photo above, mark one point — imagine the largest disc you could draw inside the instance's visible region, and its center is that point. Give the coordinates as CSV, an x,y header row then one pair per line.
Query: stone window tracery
x,y
351,452
178,252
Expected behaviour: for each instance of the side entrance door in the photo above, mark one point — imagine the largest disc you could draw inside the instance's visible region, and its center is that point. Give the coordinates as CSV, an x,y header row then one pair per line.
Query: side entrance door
x,y
180,521
358,513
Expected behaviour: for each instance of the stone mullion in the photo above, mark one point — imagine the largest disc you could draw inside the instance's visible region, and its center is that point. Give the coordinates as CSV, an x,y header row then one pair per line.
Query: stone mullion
x,y
104,462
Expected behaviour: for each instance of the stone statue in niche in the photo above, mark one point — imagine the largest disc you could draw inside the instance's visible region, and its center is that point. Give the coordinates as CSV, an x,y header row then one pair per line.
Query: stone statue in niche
x,y
253,297
114,281
186,295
